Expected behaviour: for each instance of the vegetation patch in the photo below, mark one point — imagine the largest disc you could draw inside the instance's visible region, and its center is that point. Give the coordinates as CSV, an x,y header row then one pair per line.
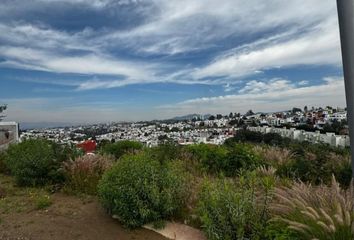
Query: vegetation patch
x,y
118,149
83,173
139,190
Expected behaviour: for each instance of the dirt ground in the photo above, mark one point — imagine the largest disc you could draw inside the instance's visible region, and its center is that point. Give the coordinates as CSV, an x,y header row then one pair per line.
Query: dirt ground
x,y
67,217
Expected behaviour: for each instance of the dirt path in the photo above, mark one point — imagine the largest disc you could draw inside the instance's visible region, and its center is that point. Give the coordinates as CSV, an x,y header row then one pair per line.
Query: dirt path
x,y
68,218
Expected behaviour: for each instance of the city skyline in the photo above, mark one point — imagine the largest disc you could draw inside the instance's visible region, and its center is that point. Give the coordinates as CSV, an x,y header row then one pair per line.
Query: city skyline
x,y
103,60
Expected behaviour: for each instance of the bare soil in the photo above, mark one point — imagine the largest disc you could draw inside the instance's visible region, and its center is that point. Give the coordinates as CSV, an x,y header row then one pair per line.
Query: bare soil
x,y
68,217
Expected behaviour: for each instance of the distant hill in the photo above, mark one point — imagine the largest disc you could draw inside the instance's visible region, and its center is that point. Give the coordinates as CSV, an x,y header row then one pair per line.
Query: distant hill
x,y
39,125
190,117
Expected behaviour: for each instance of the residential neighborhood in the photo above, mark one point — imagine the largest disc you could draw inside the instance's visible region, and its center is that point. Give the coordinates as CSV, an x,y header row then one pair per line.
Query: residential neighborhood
x,y
326,125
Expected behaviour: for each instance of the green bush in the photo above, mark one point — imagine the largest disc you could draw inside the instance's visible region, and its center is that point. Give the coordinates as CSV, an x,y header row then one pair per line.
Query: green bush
x,y
138,190
231,209
275,139
317,167
83,173
240,156
245,135
33,162
64,152
118,149
210,157
225,160
165,152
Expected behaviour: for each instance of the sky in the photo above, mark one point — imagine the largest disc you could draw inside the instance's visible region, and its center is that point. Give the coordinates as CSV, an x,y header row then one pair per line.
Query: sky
x,y
91,61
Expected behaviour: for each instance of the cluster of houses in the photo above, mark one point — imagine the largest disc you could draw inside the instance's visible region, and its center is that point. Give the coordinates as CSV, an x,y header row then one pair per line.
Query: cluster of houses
x,y
211,130
301,135
315,117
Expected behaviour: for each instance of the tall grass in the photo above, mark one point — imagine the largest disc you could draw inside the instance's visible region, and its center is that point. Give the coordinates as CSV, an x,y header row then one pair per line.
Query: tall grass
x,y
274,155
316,212
84,173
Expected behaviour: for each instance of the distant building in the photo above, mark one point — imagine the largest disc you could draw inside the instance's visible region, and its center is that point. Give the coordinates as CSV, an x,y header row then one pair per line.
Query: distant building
x,y
9,133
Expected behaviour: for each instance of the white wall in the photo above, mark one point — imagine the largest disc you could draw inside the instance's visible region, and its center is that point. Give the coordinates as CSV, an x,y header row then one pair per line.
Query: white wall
x,y
8,134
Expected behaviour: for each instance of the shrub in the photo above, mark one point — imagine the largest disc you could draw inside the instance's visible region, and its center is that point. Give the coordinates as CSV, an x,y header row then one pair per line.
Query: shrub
x,y
118,149
274,139
165,152
138,190
84,173
241,156
235,210
317,167
210,157
33,162
228,161
245,135
64,152
322,212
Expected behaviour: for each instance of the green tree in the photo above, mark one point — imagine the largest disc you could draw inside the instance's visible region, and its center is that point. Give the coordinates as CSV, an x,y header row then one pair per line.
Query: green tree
x,y
212,117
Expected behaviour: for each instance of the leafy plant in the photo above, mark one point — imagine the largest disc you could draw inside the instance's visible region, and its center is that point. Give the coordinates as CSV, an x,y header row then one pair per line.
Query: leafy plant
x,y
33,162
231,209
210,157
139,189
316,212
240,157
118,149
84,173
43,202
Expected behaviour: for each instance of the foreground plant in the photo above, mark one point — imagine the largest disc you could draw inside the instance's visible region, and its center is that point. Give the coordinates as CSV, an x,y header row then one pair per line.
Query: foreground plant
x,y
84,173
322,212
139,190
230,209
33,163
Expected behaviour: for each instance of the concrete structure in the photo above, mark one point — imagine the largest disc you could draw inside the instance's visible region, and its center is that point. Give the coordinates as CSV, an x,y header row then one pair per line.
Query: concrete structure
x,y
9,133
301,135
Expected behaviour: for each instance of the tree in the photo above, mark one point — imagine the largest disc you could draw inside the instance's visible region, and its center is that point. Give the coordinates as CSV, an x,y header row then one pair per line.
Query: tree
x,y
212,117
218,116
231,115
249,113
2,108
295,109
305,109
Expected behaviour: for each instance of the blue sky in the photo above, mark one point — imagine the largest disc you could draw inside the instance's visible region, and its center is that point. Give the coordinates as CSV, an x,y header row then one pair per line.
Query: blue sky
x,y
87,61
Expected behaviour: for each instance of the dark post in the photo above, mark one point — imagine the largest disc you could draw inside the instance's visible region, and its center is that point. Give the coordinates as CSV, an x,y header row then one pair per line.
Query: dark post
x,y
346,27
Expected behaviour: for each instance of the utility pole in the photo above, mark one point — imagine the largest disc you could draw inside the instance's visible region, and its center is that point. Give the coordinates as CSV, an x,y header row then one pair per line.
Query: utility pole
x,y
346,27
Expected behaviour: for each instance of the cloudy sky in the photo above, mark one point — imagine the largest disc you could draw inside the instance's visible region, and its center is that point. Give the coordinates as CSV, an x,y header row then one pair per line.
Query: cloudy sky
x,y
84,61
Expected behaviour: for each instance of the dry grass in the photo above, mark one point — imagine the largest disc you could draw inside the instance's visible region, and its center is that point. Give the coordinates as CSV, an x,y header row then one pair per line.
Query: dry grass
x,y
321,212
274,155
84,173
266,171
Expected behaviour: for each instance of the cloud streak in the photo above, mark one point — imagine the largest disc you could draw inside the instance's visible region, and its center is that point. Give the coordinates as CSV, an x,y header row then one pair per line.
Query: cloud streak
x,y
275,95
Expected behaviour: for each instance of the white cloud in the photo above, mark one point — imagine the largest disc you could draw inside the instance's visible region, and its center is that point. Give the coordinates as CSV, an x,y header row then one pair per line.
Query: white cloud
x,y
280,95
267,34
254,87
303,83
85,64
319,47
